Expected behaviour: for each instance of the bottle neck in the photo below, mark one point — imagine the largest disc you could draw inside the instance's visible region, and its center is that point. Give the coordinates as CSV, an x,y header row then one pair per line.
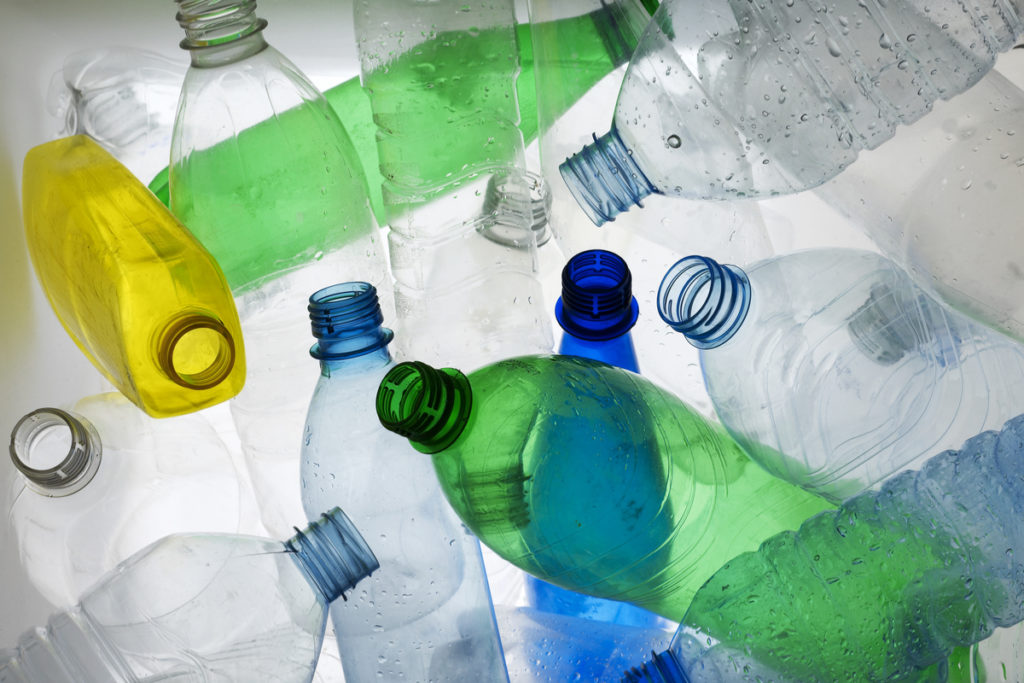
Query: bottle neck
x,y
703,300
332,554
57,452
346,321
428,406
597,302
663,668
220,32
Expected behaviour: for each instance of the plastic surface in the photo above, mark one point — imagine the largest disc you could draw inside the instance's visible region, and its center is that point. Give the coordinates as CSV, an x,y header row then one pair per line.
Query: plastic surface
x,y
842,372
728,99
887,584
140,479
462,245
156,318
234,605
590,477
426,615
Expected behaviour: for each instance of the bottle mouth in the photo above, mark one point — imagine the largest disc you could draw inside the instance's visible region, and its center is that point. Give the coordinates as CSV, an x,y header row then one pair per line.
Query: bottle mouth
x,y
428,406
346,319
703,300
196,351
509,211
597,302
209,23
333,554
55,451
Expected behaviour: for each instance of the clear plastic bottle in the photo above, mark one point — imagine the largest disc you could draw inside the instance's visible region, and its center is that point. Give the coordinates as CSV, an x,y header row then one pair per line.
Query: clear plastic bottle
x,y
426,615
877,590
441,80
210,607
588,476
100,481
726,98
134,289
833,370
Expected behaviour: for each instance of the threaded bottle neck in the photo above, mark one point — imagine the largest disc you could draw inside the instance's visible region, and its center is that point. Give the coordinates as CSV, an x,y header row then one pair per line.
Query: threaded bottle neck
x,y
597,302
703,300
209,23
604,178
663,668
428,406
347,321
333,554
57,452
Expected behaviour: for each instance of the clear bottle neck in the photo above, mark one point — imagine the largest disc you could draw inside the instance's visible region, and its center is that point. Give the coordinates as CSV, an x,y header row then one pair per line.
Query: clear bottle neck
x,y
705,301
347,323
219,32
332,554
58,453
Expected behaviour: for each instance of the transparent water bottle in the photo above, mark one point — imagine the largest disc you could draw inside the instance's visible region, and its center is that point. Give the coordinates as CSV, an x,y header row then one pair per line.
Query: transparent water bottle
x,y
101,480
725,98
426,615
212,607
877,590
441,80
833,370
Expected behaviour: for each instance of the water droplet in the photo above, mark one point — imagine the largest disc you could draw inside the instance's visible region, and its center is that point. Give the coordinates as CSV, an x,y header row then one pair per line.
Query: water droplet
x,y
884,42
674,141
833,48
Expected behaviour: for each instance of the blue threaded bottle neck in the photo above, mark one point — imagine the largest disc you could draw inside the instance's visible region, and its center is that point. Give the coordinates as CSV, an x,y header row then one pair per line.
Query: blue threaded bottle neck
x,y
36,441
605,179
663,668
597,302
333,554
703,300
347,321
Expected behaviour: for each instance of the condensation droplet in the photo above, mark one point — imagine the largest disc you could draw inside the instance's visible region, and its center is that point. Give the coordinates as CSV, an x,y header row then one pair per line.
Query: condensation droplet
x,y
674,141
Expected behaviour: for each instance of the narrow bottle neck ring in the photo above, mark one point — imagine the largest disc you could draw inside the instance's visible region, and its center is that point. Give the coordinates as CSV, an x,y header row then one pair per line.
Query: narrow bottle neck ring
x,y
428,406
347,321
41,436
215,23
333,554
703,300
597,302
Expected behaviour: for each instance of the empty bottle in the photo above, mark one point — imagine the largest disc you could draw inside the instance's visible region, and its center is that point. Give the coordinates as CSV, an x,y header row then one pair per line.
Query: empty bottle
x,y
887,584
441,81
596,312
211,607
426,615
725,98
588,476
100,481
833,370
141,297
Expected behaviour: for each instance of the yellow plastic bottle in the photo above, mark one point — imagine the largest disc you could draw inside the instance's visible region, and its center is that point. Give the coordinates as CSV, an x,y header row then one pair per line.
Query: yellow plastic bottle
x,y
136,291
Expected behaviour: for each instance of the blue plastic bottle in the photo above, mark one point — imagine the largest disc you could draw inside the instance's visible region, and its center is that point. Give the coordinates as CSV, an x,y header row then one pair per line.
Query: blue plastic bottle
x,y
210,607
833,370
427,614
596,312
877,590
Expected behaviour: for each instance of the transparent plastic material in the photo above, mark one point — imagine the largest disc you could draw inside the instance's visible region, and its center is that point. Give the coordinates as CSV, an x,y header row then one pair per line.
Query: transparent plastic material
x,y
725,98
833,370
100,481
588,476
204,607
124,99
140,296
441,77
887,584
426,615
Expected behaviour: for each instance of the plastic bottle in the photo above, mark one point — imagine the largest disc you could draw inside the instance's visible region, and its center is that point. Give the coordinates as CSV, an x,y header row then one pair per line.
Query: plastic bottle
x,y
426,615
887,584
596,312
441,77
212,607
100,481
833,370
732,99
588,476
140,296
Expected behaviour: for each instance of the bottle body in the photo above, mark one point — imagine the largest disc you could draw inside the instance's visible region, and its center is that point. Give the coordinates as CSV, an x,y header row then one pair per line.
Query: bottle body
x,y
463,251
154,478
593,479
160,323
843,372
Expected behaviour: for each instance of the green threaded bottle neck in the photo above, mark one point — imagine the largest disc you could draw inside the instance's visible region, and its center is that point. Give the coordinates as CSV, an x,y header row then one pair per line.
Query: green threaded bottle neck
x,y
428,406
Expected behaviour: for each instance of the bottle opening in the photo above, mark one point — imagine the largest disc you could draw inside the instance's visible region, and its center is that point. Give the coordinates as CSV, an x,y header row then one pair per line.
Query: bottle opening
x,y
597,302
197,352
346,319
55,451
428,406
333,554
703,300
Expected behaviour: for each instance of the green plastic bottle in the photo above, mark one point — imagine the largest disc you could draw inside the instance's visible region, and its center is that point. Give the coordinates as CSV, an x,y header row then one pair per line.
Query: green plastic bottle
x,y
589,476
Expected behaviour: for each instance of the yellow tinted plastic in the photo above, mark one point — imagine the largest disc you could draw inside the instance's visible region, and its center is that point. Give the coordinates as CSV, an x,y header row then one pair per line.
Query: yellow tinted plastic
x,y
139,295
